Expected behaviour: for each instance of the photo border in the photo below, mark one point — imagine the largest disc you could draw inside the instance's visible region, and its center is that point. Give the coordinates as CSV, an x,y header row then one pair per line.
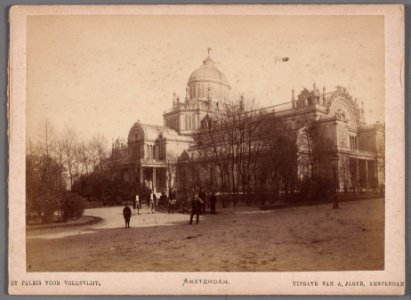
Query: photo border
x,y
387,130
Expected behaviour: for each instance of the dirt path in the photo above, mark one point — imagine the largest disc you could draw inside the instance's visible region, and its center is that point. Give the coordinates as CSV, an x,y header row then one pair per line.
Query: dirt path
x,y
112,218
311,238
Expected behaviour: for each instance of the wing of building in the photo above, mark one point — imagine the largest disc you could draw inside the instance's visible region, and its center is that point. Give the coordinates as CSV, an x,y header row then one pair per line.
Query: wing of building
x,y
149,155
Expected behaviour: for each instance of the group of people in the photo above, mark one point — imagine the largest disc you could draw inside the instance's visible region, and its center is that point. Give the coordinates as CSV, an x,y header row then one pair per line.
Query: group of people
x,y
198,204
152,202
137,206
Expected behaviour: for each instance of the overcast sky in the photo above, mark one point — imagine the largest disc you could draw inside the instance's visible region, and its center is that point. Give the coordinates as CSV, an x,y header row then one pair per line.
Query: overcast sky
x,y
100,74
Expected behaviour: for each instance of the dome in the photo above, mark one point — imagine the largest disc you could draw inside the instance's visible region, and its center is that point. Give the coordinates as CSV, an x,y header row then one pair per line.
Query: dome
x,y
208,72
208,83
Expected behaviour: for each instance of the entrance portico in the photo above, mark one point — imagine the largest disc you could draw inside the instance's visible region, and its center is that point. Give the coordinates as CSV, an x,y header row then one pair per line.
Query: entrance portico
x,y
154,178
363,171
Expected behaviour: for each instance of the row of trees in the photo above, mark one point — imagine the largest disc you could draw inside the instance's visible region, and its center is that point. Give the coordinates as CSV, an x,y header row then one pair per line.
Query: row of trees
x,y
104,187
257,156
54,161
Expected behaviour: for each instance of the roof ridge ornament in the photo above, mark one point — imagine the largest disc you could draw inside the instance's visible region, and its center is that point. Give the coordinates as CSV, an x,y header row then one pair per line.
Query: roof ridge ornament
x,y
209,61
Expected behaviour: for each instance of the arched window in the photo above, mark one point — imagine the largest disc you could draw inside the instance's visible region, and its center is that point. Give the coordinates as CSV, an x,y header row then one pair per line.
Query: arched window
x,y
163,154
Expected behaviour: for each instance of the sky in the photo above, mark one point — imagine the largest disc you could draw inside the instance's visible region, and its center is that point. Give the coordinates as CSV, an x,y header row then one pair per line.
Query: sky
x,y
100,74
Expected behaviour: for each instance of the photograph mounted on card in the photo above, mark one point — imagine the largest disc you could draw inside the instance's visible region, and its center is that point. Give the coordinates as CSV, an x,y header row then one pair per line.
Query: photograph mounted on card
x,y
206,148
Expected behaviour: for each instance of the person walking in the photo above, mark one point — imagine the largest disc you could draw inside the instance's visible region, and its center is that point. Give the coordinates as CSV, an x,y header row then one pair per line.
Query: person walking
x,y
137,203
134,205
152,202
127,215
196,207
213,201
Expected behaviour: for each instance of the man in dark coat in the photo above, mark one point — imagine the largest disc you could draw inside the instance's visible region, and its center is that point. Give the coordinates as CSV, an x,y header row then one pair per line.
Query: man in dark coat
x,y
127,215
163,199
213,200
196,206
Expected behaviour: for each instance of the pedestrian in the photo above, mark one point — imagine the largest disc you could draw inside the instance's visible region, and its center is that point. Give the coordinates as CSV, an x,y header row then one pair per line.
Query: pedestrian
x,y
127,215
202,196
196,206
152,202
213,200
134,205
171,202
137,201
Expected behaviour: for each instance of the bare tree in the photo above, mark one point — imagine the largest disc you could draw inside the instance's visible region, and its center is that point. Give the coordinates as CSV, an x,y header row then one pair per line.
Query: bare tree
x,y
279,155
70,153
317,163
96,150
250,143
46,137
171,169
229,139
219,139
83,158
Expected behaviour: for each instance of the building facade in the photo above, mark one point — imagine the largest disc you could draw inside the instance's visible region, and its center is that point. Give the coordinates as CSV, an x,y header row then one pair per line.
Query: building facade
x,y
149,154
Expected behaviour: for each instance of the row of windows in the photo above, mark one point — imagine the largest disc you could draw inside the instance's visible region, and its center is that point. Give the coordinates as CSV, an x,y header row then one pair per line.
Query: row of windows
x,y
172,122
190,122
353,142
155,152
342,133
202,91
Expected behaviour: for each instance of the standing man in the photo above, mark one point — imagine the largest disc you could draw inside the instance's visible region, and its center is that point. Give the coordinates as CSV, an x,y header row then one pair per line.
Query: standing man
x,y
196,206
152,201
213,200
163,201
127,215
202,197
171,202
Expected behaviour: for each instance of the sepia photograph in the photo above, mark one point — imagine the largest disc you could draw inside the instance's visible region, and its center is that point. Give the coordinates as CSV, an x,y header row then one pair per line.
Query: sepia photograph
x,y
205,142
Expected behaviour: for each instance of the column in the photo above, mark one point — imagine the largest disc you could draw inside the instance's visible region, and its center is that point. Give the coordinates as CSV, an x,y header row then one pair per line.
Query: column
x,y
377,180
154,180
166,181
141,176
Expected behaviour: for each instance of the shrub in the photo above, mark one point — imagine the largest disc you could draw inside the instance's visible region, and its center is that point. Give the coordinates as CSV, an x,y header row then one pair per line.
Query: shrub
x,y
73,206
314,189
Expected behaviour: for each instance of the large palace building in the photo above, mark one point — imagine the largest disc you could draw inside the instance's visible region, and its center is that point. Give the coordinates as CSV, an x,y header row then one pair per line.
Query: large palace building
x,y
145,157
